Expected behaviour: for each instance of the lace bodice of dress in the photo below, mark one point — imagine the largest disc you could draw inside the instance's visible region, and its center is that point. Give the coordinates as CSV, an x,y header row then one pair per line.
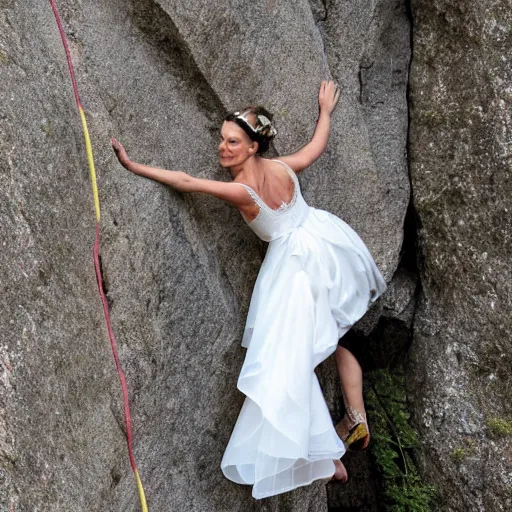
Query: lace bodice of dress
x,y
270,224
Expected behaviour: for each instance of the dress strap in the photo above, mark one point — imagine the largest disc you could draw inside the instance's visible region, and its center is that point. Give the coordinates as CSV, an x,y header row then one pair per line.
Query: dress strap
x,y
256,198
291,172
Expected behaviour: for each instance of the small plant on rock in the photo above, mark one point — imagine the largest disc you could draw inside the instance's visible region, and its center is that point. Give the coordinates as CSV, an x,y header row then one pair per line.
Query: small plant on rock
x,y
395,445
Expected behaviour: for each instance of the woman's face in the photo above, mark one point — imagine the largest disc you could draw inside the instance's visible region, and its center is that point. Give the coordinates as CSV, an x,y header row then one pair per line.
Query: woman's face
x,y
235,145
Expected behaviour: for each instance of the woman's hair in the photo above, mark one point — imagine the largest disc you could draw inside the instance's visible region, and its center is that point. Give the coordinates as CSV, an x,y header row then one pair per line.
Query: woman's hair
x,y
258,126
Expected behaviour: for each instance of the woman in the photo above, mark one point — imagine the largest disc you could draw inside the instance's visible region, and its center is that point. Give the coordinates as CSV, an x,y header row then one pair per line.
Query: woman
x,y
317,279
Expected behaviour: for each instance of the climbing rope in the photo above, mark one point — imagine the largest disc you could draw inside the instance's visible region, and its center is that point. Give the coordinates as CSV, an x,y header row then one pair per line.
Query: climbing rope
x,y
97,266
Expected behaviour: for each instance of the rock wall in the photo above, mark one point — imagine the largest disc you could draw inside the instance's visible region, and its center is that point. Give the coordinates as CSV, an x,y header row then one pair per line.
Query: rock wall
x,y
460,161
160,75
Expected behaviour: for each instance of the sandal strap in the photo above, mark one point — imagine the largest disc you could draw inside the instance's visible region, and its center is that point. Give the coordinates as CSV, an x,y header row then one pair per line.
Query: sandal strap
x,y
355,416
352,418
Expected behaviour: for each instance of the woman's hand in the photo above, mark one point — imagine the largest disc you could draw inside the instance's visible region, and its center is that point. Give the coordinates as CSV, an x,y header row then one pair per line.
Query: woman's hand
x,y
120,152
328,96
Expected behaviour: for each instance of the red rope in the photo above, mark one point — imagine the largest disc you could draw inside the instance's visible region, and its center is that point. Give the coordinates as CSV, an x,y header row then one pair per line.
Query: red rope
x,y
99,278
68,55
97,266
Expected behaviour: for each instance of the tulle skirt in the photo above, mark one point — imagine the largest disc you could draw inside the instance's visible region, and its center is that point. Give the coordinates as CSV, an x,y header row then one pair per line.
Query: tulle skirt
x,y
314,284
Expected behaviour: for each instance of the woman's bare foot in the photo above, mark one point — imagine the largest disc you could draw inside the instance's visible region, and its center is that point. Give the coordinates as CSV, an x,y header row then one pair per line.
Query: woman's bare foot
x,y
341,471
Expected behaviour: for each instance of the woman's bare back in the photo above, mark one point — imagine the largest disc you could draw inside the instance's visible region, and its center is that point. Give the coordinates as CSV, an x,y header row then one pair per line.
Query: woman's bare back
x,y
273,185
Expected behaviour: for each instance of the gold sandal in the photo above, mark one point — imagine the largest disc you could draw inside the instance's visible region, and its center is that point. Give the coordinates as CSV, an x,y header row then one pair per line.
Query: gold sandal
x,y
353,429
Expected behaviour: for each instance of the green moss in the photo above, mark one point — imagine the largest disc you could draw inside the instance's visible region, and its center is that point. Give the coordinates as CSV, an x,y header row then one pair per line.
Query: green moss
x,y
458,455
47,128
430,115
499,427
3,58
395,445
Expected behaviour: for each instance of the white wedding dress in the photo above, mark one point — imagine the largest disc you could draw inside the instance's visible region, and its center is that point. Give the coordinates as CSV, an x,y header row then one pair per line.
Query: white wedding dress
x,y
317,279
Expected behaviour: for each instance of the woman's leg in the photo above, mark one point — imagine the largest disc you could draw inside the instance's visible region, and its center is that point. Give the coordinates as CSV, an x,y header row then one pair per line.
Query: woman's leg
x,y
351,377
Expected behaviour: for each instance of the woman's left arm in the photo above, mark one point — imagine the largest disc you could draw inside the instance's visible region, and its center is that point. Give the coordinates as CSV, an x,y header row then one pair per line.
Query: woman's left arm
x,y
328,97
231,192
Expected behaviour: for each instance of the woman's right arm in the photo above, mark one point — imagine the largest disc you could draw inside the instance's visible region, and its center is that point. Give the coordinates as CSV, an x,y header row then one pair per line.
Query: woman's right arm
x,y
232,193
328,97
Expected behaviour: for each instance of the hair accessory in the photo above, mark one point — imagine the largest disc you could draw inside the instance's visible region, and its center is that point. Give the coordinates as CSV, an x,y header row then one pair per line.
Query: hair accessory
x,y
264,128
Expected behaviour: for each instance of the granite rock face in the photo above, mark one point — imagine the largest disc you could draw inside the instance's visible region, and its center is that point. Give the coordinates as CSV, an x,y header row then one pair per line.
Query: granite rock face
x,y
160,75
460,161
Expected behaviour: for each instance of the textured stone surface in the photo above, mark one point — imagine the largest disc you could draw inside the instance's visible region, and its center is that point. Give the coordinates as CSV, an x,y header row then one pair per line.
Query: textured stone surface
x,y
368,53
459,374
178,269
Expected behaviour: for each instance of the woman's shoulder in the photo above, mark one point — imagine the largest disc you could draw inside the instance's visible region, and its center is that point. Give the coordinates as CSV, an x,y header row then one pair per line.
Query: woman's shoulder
x,y
275,164
278,165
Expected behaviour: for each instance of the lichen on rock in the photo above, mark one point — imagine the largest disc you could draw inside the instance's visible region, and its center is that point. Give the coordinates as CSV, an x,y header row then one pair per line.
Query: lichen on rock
x,y
460,170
